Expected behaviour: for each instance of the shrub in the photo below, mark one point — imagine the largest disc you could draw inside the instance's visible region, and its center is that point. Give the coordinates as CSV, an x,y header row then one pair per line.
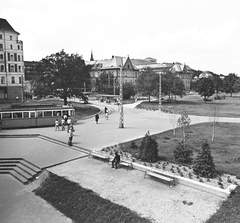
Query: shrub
x,y
133,145
148,149
204,165
182,153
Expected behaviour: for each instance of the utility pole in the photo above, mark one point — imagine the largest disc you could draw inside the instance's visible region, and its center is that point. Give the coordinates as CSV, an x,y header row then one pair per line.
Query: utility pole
x,y
160,90
121,99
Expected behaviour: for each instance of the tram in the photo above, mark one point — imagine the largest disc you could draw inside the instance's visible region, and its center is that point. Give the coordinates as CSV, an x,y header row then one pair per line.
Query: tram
x,y
34,117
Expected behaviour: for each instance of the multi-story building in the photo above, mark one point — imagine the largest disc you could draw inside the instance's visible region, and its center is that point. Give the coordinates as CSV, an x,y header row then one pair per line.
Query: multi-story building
x,y
11,64
131,69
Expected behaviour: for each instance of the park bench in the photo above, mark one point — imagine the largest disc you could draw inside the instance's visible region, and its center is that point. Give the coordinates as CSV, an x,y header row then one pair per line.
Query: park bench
x,y
125,163
98,155
159,175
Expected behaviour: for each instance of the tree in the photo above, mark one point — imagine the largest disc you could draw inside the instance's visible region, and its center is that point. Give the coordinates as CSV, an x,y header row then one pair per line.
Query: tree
x,y
128,90
205,88
105,82
63,75
184,122
203,165
173,120
217,82
228,83
236,85
147,82
213,118
172,85
148,149
182,153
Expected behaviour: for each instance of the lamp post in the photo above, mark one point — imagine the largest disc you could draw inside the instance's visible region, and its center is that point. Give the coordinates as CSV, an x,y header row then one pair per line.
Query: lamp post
x,y
160,91
121,99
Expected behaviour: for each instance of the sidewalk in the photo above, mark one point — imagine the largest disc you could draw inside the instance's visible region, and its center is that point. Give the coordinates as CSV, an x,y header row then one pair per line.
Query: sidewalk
x,y
18,204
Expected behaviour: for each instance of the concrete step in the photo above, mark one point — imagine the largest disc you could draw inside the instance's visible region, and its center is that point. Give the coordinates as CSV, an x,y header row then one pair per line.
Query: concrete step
x,y
23,173
4,171
27,169
18,177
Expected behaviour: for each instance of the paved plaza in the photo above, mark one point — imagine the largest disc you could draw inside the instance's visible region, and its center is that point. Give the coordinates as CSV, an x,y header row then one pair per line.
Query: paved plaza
x,y
16,199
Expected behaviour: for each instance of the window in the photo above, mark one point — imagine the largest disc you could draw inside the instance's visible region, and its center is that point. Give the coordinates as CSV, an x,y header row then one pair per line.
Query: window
x,y
1,56
17,114
10,37
6,115
32,114
2,68
26,114
11,58
2,80
39,114
1,46
56,113
19,68
15,67
18,47
47,113
19,58
20,80
0,36
11,47
13,80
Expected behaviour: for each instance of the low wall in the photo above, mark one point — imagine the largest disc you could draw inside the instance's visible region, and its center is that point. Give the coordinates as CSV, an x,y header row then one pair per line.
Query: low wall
x,y
190,183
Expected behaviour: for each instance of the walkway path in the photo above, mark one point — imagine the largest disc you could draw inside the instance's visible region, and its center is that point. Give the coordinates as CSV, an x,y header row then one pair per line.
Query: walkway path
x,y
88,135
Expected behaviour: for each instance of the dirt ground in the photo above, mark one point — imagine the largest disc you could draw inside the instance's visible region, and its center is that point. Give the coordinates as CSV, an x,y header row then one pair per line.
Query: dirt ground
x,y
148,197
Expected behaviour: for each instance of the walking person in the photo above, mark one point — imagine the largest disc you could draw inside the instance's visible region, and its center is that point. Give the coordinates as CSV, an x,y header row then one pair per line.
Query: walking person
x,y
71,130
68,124
116,160
63,124
106,112
56,125
96,118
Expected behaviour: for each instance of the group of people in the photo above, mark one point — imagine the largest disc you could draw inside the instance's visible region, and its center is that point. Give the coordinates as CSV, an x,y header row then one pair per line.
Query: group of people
x,y
66,122
106,115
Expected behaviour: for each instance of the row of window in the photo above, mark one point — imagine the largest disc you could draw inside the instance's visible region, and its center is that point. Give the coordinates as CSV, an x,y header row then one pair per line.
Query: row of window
x,y
10,37
19,47
11,57
12,68
13,80
34,114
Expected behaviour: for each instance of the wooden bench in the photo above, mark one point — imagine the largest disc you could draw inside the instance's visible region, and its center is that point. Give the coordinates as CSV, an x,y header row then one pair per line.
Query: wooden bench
x,y
160,176
99,156
124,163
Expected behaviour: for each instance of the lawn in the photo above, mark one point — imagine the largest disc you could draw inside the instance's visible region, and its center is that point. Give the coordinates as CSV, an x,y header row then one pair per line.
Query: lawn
x,y
225,150
194,105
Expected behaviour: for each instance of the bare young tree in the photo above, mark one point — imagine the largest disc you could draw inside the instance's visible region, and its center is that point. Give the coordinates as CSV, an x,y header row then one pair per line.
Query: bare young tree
x,y
213,118
183,122
173,119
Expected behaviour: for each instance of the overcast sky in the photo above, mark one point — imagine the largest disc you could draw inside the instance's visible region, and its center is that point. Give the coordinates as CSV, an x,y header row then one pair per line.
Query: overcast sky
x,y
204,34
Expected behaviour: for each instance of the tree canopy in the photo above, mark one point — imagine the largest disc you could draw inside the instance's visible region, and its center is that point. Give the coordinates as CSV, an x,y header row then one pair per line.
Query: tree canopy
x,y
228,83
147,82
205,87
62,75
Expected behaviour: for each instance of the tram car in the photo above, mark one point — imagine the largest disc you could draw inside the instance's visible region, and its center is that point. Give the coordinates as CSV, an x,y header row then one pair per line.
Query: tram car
x,y
34,117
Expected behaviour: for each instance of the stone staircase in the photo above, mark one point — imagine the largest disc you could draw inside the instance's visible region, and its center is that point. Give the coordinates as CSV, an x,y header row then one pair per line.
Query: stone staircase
x,y
19,168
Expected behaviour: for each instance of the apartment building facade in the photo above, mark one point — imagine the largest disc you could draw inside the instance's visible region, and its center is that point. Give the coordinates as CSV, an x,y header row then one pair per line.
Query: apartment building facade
x,y
11,64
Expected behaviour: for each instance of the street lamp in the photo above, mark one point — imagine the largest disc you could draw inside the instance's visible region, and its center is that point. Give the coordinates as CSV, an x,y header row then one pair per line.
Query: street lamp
x,y
121,99
160,91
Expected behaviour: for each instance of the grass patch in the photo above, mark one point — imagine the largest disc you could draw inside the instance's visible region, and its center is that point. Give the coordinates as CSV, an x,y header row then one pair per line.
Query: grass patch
x,y
194,105
83,205
229,211
224,148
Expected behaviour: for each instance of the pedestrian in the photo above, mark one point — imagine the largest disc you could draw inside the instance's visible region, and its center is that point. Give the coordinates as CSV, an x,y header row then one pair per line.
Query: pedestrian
x,y
106,112
68,124
70,139
96,118
116,160
63,124
56,125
